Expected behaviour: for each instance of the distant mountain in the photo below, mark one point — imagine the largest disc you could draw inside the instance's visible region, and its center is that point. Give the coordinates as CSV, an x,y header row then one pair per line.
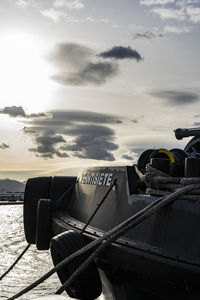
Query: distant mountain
x,y
8,185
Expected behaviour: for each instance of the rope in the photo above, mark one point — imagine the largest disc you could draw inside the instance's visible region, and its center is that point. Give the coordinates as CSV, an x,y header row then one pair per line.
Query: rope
x,y
15,262
133,221
161,184
99,205
59,201
107,239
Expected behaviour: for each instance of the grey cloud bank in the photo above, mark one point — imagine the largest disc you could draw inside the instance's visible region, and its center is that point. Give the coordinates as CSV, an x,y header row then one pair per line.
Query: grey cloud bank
x,y
77,133
173,97
18,111
13,111
78,65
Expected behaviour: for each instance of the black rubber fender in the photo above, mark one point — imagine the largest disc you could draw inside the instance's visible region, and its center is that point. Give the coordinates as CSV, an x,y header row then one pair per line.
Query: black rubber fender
x,y
43,224
36,188
144,159
87,286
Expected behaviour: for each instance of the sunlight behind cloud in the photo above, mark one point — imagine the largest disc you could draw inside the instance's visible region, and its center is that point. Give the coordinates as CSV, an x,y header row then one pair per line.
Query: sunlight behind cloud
x,y
24,73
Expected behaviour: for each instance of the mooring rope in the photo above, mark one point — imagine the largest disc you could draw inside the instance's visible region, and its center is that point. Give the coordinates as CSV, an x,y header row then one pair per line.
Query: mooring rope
x,y
99,205
15,262
60,199
107,239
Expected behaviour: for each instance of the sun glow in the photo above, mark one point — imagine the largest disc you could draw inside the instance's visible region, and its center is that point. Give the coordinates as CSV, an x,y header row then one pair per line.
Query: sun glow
x,y
24,73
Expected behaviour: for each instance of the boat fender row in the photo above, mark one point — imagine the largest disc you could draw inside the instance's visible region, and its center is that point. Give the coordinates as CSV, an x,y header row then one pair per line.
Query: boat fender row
x,y
36,188
40,198
87,285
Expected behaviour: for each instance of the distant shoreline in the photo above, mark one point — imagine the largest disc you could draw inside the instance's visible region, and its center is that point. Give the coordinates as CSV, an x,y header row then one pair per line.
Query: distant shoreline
x,y
11,202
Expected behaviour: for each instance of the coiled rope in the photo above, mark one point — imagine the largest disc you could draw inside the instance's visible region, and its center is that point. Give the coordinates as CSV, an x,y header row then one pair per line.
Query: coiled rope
x,y
15,262
108,238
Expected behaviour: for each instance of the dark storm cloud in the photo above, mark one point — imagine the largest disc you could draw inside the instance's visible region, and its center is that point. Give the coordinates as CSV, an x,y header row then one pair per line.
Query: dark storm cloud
x,y
174,97
63,118
4,146
46,146
91,73
148,35
13,111
79,66
92,141
120,52
78,133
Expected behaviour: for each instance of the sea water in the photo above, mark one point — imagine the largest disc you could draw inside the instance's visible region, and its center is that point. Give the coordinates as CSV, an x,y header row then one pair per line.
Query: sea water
x,y
32,266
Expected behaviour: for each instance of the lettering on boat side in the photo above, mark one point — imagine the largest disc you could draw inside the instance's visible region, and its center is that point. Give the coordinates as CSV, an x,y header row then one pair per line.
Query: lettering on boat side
x,y
104,179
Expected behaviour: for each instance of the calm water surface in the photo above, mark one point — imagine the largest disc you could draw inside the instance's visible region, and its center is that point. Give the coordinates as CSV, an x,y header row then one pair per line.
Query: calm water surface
x,y
33,265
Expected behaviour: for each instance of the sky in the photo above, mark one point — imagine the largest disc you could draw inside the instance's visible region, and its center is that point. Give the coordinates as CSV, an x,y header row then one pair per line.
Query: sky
x,y
94,82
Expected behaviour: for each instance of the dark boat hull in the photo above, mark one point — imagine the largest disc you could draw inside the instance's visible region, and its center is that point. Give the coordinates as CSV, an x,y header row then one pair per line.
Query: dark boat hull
x,y
132,269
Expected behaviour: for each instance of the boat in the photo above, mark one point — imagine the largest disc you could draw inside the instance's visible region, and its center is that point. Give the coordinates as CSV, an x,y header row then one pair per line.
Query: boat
x,y
158,257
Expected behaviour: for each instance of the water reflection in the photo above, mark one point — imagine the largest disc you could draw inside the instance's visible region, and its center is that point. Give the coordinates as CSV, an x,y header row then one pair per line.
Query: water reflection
x,y
32,266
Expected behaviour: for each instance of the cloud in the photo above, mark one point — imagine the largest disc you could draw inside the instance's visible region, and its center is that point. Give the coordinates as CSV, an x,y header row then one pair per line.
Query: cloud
x,y
92,141
78,65
13,111
186,2
80,134
26,3
4,146
127,157
53,14
18,111
39,115
179,10
71,55
196,123
173,97
155,2
46,146
133,153
148,35
194,14
169,13
91,73
176,29
69,4
61,116
120,52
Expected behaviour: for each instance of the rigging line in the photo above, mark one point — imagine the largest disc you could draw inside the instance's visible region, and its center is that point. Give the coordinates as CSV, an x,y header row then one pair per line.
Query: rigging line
x,y
111,235
99,205
15,262
115,234
65,193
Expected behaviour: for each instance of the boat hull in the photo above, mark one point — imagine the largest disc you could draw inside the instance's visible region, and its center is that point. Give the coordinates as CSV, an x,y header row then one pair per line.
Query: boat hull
x,y
133,270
